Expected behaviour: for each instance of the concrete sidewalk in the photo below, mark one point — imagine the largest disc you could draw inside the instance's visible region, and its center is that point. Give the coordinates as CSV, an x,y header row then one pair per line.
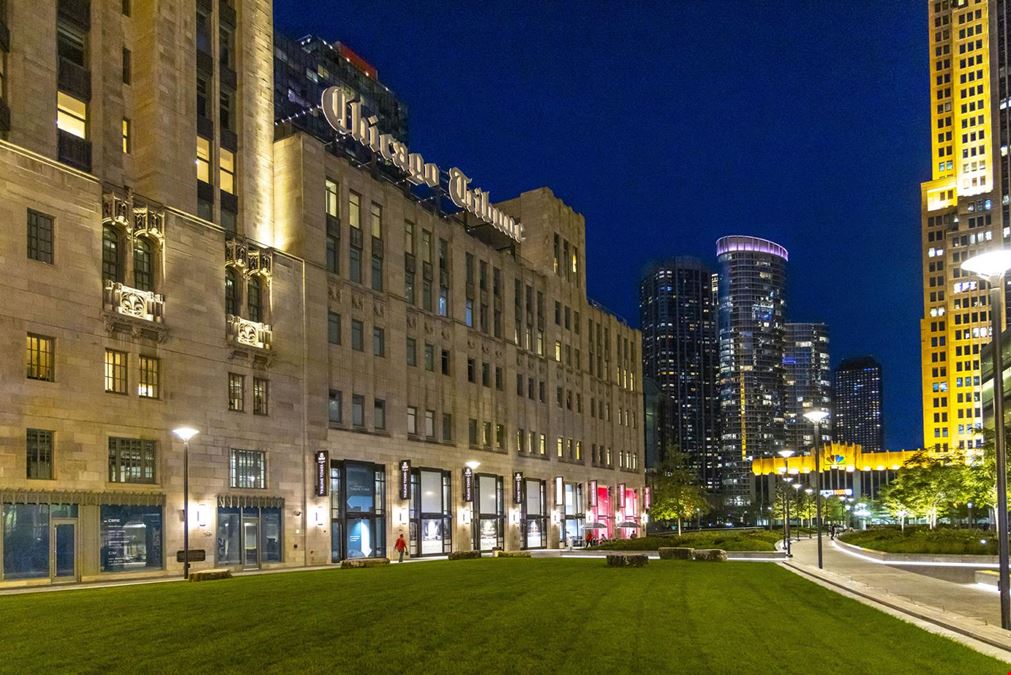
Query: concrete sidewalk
x,y
963,609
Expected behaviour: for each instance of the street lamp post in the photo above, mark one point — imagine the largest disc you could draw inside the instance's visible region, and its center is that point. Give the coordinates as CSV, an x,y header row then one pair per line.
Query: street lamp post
x,y
992,266
816,417
185,434
786,454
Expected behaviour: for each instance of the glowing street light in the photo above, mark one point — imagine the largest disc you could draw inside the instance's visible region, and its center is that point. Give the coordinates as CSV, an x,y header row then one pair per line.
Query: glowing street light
x,y
816,417
184,434
992,266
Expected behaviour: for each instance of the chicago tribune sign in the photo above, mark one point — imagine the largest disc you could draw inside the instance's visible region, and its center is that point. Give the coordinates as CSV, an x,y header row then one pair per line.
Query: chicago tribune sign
x,y
345,116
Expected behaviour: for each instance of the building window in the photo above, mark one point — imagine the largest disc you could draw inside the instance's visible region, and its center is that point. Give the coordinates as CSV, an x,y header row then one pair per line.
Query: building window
x,y
254,299
377,273
261,396
332,255
447,427
472,431
203,96
412,420
71,115
429,358
203,159
131,460
379,415
39,447
378,342
226,108
131,538
40,237
231,293
335,408
355,210
236,392
126,66
143,265
412,351
111,267
357,410
376,219
248,469
355,264
333,328
500,436
445,362
126,136
115,371
430,424
486,434
357,335
150,377
226,170
471,371
40,358
331,198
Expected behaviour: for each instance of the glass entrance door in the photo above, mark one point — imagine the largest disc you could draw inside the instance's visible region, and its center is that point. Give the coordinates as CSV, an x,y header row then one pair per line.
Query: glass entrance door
x,y
250,541
64,566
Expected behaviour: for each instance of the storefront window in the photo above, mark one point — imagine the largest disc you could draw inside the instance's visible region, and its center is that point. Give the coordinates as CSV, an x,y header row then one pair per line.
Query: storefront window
x,y
249,536
357,499
572,532
534,521
26,541
131,538
489,521
430,512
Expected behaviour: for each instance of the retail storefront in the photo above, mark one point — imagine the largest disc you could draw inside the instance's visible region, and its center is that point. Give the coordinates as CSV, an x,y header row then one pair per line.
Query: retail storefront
x,y
64,536
489,512
357,510
601,512
250,531
573,514
627,512
534,517
431,512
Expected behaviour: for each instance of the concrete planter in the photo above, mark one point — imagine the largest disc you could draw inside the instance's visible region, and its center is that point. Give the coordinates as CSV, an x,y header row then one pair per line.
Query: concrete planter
x,y
634,560
675,553
918,557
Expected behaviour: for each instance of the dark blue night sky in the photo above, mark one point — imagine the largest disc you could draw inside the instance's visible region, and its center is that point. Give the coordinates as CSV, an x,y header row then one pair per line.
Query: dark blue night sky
x,y
669,124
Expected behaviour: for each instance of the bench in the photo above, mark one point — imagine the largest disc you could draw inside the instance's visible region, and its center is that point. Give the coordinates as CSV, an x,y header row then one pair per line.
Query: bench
x,y
675,553
209,575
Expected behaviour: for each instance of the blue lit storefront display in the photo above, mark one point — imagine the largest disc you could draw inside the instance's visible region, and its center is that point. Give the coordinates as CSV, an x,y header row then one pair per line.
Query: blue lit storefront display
x,y
357,510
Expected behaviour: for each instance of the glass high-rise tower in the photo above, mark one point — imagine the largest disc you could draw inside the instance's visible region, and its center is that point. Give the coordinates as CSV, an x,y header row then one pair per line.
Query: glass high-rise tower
x,y
808,383
677,312
752,306
857,397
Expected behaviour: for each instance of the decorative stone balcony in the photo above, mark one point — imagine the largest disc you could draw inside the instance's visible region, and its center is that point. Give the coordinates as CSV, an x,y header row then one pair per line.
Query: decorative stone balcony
x,y
130,310
249,257
244,333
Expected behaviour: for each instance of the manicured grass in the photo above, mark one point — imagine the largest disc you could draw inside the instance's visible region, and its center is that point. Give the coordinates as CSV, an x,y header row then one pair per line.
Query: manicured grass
x,y
504,615
728,540
920,539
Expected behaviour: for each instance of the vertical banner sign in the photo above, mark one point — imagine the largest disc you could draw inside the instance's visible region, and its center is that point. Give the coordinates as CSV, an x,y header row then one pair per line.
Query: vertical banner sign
x,y
621,495
322,473
405,479
647,498
593,494
518,487
468,484
559,491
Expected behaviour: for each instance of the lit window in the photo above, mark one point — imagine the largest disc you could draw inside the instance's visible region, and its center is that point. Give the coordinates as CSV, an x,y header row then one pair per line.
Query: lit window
x,y
115,371
71,115
203,159
150,376
355,210
248,469
331,198
226,164
40,357
261,396
126,136
236,392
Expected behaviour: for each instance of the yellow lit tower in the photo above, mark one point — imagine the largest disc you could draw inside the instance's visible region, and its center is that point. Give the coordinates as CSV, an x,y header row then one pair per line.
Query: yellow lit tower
x,y
961,214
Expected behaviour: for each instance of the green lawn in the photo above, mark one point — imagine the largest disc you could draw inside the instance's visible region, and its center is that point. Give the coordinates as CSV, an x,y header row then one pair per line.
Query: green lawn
x,y
728,540
508,615
920,539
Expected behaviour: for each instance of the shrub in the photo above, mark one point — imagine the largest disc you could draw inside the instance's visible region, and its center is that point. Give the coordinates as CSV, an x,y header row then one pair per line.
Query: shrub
x,y
464,555
918,539
512,554
639,560
710,555
358,563
728,540
675,553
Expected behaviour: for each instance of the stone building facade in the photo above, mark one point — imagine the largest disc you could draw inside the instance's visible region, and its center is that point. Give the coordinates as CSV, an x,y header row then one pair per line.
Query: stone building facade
x,y
358,362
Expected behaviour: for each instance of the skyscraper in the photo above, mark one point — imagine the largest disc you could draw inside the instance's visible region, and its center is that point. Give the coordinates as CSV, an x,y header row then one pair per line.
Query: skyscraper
x,y
857,397
808,384
752,305
959,211
677,312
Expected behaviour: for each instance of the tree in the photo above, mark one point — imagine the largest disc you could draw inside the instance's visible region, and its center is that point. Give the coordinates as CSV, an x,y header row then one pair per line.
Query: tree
x,y
674,492
928,486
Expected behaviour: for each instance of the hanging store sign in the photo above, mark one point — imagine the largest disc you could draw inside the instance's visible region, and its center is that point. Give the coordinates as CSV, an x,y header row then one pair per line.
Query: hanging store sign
x,y
647,498
593,494
621,495
344,114
322,473
518,487
468,484
405,478
559,491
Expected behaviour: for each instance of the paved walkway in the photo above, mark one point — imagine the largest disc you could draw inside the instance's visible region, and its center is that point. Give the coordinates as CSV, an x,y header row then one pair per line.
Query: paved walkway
x,y
965,612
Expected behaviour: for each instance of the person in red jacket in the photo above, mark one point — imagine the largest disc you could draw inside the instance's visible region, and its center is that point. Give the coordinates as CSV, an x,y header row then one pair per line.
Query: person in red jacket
x,y
400,546
589,538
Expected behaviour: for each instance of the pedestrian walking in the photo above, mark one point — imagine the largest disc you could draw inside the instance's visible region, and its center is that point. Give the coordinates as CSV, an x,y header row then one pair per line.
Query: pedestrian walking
x,y
589,538
831,532
400,546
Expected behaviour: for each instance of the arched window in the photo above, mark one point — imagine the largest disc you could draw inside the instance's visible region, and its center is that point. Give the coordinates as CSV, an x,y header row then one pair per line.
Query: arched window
x,y
255,299
231,292
143,265
111,268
